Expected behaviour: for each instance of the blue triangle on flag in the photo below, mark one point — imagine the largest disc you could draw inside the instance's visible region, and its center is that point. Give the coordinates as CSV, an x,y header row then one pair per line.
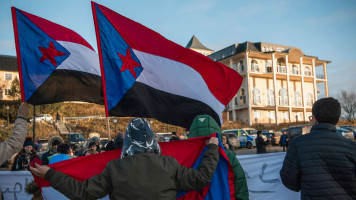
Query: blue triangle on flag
x,y
114,48
37,51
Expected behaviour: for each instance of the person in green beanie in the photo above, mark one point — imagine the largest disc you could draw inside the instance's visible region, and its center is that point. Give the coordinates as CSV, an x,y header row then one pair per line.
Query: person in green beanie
x,y
204,125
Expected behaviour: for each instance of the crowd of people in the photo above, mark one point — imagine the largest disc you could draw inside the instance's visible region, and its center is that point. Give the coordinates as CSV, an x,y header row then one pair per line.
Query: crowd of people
x,y
321,164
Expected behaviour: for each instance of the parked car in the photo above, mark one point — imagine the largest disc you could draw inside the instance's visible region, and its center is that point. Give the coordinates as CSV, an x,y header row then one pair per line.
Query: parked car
x,y
233,140
43,118
166,136
250,131
346,133
273,137
246,140
76,140
294,131
351,128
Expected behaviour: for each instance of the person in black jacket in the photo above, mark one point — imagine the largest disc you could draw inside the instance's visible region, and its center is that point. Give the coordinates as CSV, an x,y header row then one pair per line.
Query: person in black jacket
x,y
322,163
261,143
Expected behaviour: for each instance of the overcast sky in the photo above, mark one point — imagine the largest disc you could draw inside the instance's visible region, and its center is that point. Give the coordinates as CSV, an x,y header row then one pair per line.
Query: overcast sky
x,y
324,28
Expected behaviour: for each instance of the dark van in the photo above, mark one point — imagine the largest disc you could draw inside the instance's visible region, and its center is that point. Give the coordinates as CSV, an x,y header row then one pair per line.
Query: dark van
x,y
294,131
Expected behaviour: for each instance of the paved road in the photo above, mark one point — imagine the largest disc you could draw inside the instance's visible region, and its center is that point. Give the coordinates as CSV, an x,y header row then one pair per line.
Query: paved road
x,y
270,149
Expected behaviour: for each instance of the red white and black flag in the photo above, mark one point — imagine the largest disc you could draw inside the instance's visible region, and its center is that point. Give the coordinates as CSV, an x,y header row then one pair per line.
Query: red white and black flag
x,y
55,63
146,75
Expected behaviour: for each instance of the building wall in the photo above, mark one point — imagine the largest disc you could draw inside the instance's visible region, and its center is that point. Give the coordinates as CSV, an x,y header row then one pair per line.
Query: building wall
x,y
262,112
5,76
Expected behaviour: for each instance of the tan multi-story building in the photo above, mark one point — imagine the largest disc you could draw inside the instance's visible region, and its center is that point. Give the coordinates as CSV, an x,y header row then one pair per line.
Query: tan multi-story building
x,y
279,82
8,72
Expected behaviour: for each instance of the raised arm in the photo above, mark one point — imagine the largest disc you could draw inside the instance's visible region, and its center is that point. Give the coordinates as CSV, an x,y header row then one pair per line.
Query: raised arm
x,y
18,135
98,186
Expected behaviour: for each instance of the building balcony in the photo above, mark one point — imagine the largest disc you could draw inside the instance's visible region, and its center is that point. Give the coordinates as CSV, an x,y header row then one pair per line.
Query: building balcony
x,y
320,76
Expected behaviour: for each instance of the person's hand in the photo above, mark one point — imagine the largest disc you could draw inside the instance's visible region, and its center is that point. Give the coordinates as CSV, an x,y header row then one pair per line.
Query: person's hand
x,y
226,146
23,110
40,170
214,140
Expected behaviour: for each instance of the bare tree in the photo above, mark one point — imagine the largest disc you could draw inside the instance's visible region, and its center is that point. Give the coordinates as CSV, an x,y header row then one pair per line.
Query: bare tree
x,y
3,85
348,104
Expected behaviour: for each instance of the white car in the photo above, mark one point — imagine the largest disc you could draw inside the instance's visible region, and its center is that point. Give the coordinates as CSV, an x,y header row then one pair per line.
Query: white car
x,y
43,118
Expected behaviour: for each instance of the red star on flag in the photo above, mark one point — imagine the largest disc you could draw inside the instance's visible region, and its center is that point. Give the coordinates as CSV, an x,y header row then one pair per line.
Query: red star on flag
x,y
50,53
128,63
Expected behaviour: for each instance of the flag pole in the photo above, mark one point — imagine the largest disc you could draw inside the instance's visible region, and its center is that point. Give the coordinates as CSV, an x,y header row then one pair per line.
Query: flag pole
x,y
108,128
34,123
101,67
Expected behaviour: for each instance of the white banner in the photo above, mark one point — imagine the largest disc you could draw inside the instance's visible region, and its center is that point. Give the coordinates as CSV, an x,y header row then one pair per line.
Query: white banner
x,y
13,184
261,170
262,175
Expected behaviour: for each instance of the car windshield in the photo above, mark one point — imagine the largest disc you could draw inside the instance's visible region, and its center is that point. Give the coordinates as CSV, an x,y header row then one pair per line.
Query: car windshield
x,y
77,137
344,130
350,128
252,132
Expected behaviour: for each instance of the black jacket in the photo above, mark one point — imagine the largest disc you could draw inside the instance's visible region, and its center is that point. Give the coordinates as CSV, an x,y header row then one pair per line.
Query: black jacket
x,y
321,164
261,145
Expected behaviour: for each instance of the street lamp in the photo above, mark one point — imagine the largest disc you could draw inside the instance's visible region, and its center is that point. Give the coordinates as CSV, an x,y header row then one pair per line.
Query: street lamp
x,y
8,116
115,122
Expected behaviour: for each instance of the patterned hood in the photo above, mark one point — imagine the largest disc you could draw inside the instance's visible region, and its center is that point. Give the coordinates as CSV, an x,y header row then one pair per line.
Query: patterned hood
x,y
139,138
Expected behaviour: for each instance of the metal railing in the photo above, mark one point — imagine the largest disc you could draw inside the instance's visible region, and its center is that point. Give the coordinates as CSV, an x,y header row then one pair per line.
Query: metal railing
x,y
320,76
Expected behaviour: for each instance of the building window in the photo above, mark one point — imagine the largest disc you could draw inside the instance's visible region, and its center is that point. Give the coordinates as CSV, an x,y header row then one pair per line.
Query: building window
x,y
297,99
240,66
284,115
270,97
283,97
234,66
281,66
298,116
309,114
7,91
257,114
307,71
242,96
8,77
309,99
231,116
270,114
269,68
254,66
256,96
295,70
236,101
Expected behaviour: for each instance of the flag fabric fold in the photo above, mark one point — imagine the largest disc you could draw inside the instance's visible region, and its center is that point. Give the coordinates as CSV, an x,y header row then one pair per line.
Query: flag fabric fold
x,y
55,63
146,75
187,152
